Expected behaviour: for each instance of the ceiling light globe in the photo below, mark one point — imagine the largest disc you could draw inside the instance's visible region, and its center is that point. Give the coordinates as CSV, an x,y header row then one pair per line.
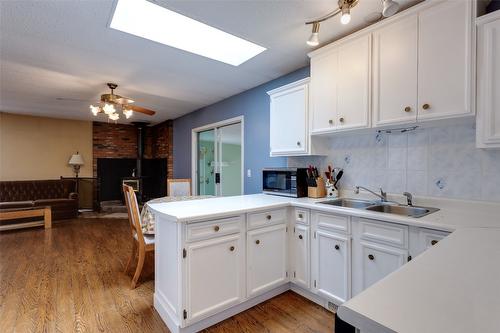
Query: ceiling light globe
x,y
109,109
114,116
127,113
389,8
345,18
313,40
94,109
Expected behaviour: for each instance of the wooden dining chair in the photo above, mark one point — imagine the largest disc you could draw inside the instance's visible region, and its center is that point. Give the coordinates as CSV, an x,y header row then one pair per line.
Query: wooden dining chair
x,y
141,243
179,187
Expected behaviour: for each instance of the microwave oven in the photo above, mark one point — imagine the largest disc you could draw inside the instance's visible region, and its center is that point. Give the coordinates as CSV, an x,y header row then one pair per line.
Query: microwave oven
x,y
290,182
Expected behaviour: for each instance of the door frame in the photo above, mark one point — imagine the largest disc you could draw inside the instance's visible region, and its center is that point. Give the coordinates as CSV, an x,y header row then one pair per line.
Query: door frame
x,y
194,149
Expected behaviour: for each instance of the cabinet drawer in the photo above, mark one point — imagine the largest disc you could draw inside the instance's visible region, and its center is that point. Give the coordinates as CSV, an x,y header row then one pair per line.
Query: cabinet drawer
x,y
270,217
429,237
332,222
214,228
383,232
302,216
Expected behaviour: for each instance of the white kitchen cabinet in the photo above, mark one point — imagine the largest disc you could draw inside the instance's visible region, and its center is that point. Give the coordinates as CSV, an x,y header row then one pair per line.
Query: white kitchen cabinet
x,y
488,80
340,86
445,60
372,262
289,119
266,258
422,239
331,262
215,275
395,72
300,263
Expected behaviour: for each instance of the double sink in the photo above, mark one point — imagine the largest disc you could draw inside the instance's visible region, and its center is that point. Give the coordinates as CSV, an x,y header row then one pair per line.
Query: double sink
x,y
381,206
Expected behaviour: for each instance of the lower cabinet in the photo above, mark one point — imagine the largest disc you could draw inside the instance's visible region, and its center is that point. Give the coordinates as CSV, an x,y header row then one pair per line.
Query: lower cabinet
x,y
375,261
266,258
215,271
331,264
422,239
300,254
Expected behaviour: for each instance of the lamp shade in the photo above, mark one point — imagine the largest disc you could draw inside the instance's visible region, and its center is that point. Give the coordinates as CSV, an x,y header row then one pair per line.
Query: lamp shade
x,y
76,159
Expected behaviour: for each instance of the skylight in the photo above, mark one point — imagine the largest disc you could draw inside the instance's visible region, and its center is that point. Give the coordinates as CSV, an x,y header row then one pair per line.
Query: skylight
x,y
147,20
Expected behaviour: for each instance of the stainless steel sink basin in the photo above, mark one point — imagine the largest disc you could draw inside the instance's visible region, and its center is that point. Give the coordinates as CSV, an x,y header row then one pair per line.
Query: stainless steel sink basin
x,y
411,211
350,203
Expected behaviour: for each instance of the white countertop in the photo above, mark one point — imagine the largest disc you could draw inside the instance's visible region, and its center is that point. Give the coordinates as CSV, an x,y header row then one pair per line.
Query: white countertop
x,y
452,287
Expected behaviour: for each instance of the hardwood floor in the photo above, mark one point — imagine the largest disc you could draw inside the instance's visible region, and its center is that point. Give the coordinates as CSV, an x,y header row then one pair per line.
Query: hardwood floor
x,y
70,279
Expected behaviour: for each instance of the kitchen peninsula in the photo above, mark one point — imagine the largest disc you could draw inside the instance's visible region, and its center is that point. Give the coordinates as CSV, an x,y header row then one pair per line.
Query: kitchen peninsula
x,y
217,257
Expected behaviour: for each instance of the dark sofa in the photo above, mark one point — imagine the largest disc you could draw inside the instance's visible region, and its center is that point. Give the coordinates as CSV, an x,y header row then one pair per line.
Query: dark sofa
x,y
59,194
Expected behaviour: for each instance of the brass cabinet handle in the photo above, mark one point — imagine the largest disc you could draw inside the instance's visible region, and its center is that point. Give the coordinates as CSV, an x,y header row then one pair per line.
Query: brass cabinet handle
x,y
216,228
330,121
341,119
371,257
300,236
257,242
407,109
337,247
298,143
426,106
231,248
268,217
434,242
301,216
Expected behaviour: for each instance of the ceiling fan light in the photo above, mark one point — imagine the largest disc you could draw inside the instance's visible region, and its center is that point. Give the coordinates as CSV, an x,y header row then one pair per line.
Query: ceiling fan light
x,y
114,116
109,109
389,8
127,113
346,14
95,110
314,39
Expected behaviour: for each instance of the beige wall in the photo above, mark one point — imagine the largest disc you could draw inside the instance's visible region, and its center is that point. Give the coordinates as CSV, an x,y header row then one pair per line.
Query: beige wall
x,y
39,148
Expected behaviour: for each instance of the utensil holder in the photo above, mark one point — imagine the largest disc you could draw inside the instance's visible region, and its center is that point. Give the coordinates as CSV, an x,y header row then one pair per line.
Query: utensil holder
x,y
319,191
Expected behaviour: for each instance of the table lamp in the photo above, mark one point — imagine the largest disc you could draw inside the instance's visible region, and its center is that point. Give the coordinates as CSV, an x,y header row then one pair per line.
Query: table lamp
x,y
76,161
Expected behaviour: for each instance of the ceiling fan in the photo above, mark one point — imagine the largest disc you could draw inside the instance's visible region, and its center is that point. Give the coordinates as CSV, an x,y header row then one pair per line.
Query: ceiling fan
x,y
111,103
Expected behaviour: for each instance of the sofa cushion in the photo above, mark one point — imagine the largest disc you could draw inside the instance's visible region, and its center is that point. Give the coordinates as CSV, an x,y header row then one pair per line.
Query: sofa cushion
x,y
16,204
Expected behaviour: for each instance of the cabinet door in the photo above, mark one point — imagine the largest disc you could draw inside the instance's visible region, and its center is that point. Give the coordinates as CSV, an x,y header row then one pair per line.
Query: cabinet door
x,y
353,85
377,261
395,72
215,271
445,60
289,110
266,259
300,256
488,68
323,96
331,255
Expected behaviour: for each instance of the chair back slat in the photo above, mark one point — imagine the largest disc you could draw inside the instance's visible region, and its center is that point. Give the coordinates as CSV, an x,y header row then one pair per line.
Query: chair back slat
x,y
134,216
179,187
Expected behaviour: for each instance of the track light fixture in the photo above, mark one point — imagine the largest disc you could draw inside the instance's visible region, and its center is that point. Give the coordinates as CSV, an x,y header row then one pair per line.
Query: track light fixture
x,y
389,8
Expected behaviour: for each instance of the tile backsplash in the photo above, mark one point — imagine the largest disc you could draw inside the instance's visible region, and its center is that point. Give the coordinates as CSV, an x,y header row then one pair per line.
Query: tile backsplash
x,y
439,161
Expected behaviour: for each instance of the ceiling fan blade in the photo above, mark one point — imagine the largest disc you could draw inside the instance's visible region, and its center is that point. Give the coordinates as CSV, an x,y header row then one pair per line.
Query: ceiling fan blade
x,y
139,109
69,99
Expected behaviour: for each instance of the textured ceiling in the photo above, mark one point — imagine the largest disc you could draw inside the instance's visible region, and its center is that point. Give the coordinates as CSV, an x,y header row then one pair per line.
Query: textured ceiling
x,y
65,49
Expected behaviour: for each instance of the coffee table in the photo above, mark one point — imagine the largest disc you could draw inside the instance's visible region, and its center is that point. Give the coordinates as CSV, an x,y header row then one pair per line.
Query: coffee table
x,y
19,213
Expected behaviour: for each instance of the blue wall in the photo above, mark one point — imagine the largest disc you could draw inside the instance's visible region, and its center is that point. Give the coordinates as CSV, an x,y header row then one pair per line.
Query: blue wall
x,y
253,104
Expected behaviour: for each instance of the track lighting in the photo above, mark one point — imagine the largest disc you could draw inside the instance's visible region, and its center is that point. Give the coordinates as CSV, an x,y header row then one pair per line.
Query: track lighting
x,y
314,39
389,7
346,14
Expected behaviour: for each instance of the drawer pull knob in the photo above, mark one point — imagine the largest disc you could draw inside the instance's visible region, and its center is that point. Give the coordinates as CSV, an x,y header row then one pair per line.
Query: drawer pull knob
x,y
257,242
330,121
298,143
231,248
337,247
268,217
426,106
371,257
300,236
434,242
301,216
341,119
216,228
407,109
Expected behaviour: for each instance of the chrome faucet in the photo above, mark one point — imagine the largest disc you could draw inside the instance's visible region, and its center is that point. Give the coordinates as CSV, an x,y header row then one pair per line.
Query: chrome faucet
x,y
409,198
382,195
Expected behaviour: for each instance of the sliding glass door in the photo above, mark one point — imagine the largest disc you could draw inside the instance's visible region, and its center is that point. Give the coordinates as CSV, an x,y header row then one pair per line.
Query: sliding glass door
x,y
219,159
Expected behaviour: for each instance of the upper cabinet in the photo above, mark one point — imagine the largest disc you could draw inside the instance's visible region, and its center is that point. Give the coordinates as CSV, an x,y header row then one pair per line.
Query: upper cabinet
x,y
445,60
422,65
340,86
288,119
488,81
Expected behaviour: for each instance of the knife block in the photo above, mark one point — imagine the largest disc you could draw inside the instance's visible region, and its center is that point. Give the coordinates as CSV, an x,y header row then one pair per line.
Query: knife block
x,y
319,191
